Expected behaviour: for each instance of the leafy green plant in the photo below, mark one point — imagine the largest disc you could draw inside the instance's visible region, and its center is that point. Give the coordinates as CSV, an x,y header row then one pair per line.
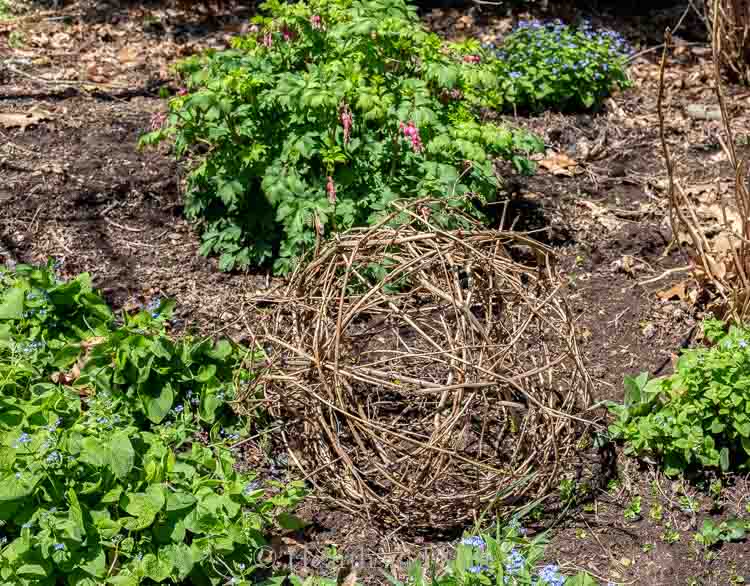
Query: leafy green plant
x,y
633,510
5,11
555,66
96,487
54,324
670,535
711,534
325,116
698,417
507,557
656,512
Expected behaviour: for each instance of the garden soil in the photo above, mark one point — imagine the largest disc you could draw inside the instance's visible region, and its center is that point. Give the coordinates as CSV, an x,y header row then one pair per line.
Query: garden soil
x,y
79,84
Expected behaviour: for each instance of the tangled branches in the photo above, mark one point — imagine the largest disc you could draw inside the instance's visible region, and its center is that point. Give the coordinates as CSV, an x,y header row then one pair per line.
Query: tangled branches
x,y
426,375
720,251
729,26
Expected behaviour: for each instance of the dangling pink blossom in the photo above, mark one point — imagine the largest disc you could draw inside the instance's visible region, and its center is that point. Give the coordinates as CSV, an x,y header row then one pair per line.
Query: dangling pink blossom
x,y
472,58
331,190
316,22
287,34
157,120
346,122
182,91
411,132
268,40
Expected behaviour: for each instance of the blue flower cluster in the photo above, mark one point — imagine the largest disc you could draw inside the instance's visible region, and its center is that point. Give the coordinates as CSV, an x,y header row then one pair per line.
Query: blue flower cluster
x,y
194,399
32,346
153,307
550,576
515,562
474,541
23,439
556,65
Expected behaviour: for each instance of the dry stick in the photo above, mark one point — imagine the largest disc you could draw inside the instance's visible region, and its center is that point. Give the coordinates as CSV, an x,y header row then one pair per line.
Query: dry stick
x,y
741,195
676,217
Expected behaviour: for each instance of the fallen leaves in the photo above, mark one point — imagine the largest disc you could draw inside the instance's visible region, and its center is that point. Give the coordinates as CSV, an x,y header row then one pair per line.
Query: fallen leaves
x,y
560,164
676,291
68,378
23,120
602,215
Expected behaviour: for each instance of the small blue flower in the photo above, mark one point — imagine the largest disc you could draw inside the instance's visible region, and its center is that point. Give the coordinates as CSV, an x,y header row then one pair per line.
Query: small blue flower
x,y
551,576
54,458
59,546
514,75
179,409
242,567
478,569
474,541
102,420
742,344
153,307
515,561
24,438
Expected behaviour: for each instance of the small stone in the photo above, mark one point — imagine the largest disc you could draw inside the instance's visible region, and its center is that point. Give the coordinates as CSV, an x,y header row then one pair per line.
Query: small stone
x,y
649,331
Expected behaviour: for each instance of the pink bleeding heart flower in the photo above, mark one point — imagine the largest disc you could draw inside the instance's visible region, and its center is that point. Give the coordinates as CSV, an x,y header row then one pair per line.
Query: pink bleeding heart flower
x,y
268,40
346,122
331,190
411,132
316,22
472,58
287,34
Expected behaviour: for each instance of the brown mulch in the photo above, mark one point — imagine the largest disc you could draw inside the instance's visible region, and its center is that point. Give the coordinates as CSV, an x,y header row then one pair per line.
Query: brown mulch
x,y
74,187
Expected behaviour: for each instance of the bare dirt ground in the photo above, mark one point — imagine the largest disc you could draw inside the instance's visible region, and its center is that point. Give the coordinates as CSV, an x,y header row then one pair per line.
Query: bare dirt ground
x,y
79,85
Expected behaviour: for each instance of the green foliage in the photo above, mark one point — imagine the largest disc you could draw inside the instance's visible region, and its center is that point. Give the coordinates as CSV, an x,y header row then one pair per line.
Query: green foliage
x,y
698,417
103,479
322,118
556,66
727,531
633,510
509,557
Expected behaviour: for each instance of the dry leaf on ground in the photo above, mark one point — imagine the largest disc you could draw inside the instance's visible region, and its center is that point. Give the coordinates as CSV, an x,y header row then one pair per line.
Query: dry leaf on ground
x,y
678,290
22,120
559,164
